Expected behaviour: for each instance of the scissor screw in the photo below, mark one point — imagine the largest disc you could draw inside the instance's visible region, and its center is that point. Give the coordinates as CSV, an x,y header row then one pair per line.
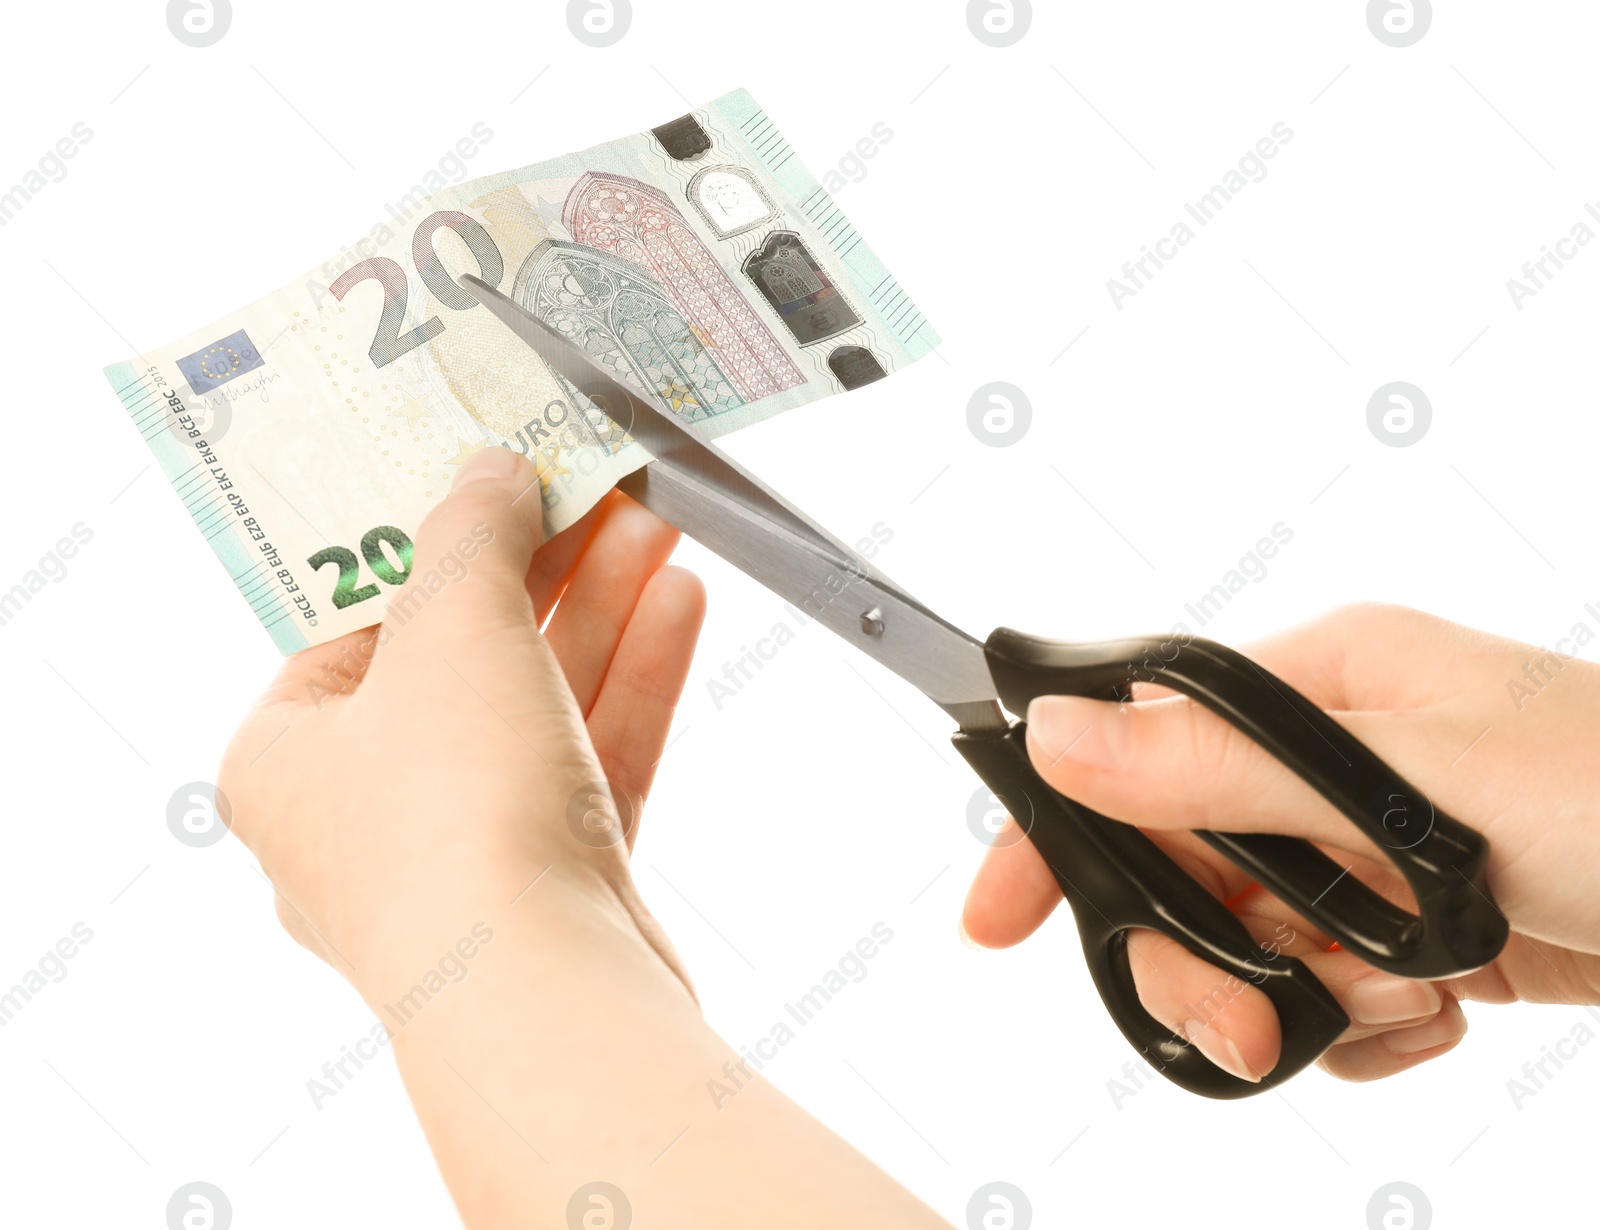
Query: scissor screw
x,y
872,621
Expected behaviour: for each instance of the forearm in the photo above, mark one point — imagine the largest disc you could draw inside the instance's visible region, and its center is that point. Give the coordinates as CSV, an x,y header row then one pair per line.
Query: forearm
x,y
569,1053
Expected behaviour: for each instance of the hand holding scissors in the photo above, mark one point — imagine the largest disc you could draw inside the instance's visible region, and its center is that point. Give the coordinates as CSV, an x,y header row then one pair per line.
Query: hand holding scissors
x,y
1113,876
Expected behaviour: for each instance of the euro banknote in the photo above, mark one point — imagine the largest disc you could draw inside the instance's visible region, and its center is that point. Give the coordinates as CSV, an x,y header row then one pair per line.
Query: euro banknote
x,y
309,433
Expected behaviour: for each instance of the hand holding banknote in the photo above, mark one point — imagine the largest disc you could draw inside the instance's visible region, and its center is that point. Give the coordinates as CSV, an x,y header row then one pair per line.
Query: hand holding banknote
x,y
470,878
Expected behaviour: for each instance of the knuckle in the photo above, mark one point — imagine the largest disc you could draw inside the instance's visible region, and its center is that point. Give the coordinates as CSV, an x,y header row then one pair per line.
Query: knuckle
x,y
1367,617
1223,753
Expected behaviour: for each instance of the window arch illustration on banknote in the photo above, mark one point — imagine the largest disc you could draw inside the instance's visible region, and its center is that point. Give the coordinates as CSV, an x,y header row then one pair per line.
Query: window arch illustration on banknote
x,y
615,311
730,200
631,220
798,288
855,366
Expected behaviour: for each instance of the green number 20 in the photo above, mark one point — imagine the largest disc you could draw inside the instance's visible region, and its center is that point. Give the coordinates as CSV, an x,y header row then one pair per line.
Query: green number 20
x,y
345,591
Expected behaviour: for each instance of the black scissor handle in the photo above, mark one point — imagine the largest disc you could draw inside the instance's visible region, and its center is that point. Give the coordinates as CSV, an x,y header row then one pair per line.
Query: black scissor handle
x,y
1115,879
1457,927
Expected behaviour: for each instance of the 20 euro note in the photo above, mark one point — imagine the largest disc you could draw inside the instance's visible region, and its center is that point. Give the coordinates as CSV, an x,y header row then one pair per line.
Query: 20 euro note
x,y
309,433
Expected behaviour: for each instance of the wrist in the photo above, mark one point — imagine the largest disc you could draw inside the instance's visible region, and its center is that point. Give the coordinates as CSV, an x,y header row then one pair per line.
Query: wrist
x,y
544,920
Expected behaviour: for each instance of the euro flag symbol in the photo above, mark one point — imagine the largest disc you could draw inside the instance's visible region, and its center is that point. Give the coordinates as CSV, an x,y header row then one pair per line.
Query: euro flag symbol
x,y
220,362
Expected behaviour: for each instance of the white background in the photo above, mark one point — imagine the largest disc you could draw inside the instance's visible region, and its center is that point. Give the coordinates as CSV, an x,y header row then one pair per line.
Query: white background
x,y
1169,438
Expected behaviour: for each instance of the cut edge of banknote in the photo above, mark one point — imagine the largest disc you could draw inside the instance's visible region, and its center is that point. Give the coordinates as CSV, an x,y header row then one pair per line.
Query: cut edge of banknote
x,y
161,414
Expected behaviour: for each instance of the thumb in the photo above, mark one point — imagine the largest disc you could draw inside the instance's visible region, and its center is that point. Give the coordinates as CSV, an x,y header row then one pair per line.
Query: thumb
x,y
488,524
463,629
467,591
1171,764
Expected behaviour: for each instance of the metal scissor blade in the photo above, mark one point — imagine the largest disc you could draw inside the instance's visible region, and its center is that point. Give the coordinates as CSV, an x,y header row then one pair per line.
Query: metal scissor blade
x,y
662,433
694,486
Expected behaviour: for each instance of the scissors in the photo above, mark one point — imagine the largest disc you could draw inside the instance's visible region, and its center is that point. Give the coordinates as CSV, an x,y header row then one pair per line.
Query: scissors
x,y
1112,875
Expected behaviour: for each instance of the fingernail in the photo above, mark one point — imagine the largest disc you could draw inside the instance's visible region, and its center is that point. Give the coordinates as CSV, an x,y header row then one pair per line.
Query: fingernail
x,y
1381,999
492,462
1220,1050
1093,733
1449,1026
961,930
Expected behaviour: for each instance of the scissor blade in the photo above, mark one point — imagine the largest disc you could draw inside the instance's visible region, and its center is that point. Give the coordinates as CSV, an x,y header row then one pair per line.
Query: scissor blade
x,y
852,600
663,434
707,495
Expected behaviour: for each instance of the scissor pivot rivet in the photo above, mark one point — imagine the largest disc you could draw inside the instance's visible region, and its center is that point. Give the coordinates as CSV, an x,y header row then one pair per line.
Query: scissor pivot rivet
x,y
872,621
